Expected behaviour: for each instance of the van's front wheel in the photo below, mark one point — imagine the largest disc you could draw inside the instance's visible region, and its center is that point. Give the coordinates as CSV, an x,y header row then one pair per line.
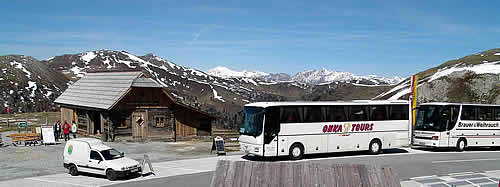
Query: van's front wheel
x,y
73,171
111,174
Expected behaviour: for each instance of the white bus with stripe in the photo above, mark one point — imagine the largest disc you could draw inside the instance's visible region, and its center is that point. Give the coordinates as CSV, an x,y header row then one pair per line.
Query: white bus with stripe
x,y
457,125
298,128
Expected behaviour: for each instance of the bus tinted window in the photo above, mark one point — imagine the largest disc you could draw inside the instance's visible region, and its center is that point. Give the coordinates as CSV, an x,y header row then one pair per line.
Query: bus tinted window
x,y
357,113
485,113
336,114
497,113
314,114
291,114
378,113
398,112
468,113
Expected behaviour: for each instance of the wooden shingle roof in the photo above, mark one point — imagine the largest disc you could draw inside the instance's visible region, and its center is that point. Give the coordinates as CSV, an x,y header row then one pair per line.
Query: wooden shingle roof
x,y
99,90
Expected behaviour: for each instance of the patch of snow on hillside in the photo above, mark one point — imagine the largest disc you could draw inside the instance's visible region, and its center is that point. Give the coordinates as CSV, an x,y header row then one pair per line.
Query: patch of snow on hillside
x,y
250,81
400,94
32,85
78,71
399,87
20,66
492,67
126,63
176,96
107,61
268,83
88,57
132,57
216,96
49,58
498,54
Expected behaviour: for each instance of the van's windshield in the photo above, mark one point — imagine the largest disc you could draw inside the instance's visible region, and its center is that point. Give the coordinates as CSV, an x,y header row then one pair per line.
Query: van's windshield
x,y
111,154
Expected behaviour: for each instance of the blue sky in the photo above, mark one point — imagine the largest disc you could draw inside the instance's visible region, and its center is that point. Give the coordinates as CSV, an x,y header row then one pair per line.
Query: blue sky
x,y
385,38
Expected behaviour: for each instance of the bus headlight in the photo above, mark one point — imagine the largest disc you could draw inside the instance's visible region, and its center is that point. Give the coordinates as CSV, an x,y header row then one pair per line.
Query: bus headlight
x,y
256,149
435,137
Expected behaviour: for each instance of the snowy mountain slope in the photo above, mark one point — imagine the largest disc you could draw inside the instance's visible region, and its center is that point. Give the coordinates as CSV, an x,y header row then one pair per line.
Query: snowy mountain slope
x,y
27,85
310,77
225,72
474,78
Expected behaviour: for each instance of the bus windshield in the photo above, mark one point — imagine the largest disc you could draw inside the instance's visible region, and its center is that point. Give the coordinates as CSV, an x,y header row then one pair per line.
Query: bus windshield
x,y
435,118
252,121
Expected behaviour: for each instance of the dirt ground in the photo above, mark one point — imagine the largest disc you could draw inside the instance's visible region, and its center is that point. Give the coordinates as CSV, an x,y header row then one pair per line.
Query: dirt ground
x,y
27,161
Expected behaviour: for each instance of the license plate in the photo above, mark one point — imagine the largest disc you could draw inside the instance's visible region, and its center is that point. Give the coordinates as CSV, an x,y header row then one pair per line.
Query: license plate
x,y
421,143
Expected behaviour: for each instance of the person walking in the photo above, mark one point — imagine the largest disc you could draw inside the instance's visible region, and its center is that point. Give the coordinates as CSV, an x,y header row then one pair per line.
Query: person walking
x,y
74,128
57,130
66,127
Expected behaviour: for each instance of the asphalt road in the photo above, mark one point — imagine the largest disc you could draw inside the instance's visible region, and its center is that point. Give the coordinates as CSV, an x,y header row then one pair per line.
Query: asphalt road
x,y
415,163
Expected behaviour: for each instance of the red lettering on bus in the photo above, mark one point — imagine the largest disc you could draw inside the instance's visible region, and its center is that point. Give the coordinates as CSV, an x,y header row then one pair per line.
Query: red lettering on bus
x,y
325,128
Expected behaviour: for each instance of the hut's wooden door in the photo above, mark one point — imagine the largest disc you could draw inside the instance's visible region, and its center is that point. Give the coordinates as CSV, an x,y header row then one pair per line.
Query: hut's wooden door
x,y
139,125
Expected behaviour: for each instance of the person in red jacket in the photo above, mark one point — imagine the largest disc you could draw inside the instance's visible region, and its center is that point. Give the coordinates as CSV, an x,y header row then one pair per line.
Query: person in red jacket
x,y
66,128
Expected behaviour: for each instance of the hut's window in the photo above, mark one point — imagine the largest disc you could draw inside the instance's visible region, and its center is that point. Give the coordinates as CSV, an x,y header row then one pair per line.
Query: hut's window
x,y
160,121
123,124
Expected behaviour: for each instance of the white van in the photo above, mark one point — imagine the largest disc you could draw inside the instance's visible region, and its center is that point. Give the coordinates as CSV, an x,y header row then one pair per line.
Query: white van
x,y
91,156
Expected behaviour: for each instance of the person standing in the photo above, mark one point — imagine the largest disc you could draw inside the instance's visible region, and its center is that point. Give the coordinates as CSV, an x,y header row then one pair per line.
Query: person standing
x,y
66,127
57,130
74,128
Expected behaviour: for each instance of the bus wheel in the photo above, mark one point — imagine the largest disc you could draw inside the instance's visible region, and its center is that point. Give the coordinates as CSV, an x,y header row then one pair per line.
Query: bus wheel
x,y
296,152
461,144
375,147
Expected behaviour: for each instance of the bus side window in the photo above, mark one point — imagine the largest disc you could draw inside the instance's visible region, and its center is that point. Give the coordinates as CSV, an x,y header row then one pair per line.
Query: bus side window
x,y
485,113
291,114
497,113
453,117
398,112
468,113
357,113
313,114
378,113
335,114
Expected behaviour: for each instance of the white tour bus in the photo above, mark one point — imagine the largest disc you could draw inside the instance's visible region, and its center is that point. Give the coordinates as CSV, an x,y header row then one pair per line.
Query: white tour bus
x,y
457,125
298,128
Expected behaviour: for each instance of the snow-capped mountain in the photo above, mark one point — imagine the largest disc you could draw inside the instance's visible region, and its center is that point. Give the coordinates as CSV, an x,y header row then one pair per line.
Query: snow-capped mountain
x,y
27,85
225,72
310,77
474,78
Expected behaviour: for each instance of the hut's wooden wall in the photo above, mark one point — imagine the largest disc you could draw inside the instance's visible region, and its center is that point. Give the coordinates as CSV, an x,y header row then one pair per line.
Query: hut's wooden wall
x,y
67,114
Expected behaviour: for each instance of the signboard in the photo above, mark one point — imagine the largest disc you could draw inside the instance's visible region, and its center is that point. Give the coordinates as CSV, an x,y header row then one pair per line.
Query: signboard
x,y
218,145
48,135
23,124
143,165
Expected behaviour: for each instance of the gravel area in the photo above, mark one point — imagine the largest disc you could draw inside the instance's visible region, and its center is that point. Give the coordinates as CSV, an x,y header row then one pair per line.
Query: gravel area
x,y
27,161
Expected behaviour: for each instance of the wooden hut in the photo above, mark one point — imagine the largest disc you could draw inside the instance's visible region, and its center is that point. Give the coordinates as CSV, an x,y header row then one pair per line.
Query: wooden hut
x,y
129,104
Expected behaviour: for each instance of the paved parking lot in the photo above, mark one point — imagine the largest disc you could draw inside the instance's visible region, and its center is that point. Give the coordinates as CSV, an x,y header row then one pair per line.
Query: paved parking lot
x,y
31,161
483,179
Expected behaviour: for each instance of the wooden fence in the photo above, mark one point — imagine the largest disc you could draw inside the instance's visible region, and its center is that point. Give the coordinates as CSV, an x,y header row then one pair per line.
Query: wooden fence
x,y
250,173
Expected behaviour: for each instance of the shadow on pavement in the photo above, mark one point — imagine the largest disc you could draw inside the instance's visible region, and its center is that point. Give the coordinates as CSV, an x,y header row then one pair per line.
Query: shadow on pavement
x,y
452,149
128,177
323,155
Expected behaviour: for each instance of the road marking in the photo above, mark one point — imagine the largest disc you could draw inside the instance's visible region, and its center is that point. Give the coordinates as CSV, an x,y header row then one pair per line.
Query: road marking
x,y
471,160
461,173
52,181
199,171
